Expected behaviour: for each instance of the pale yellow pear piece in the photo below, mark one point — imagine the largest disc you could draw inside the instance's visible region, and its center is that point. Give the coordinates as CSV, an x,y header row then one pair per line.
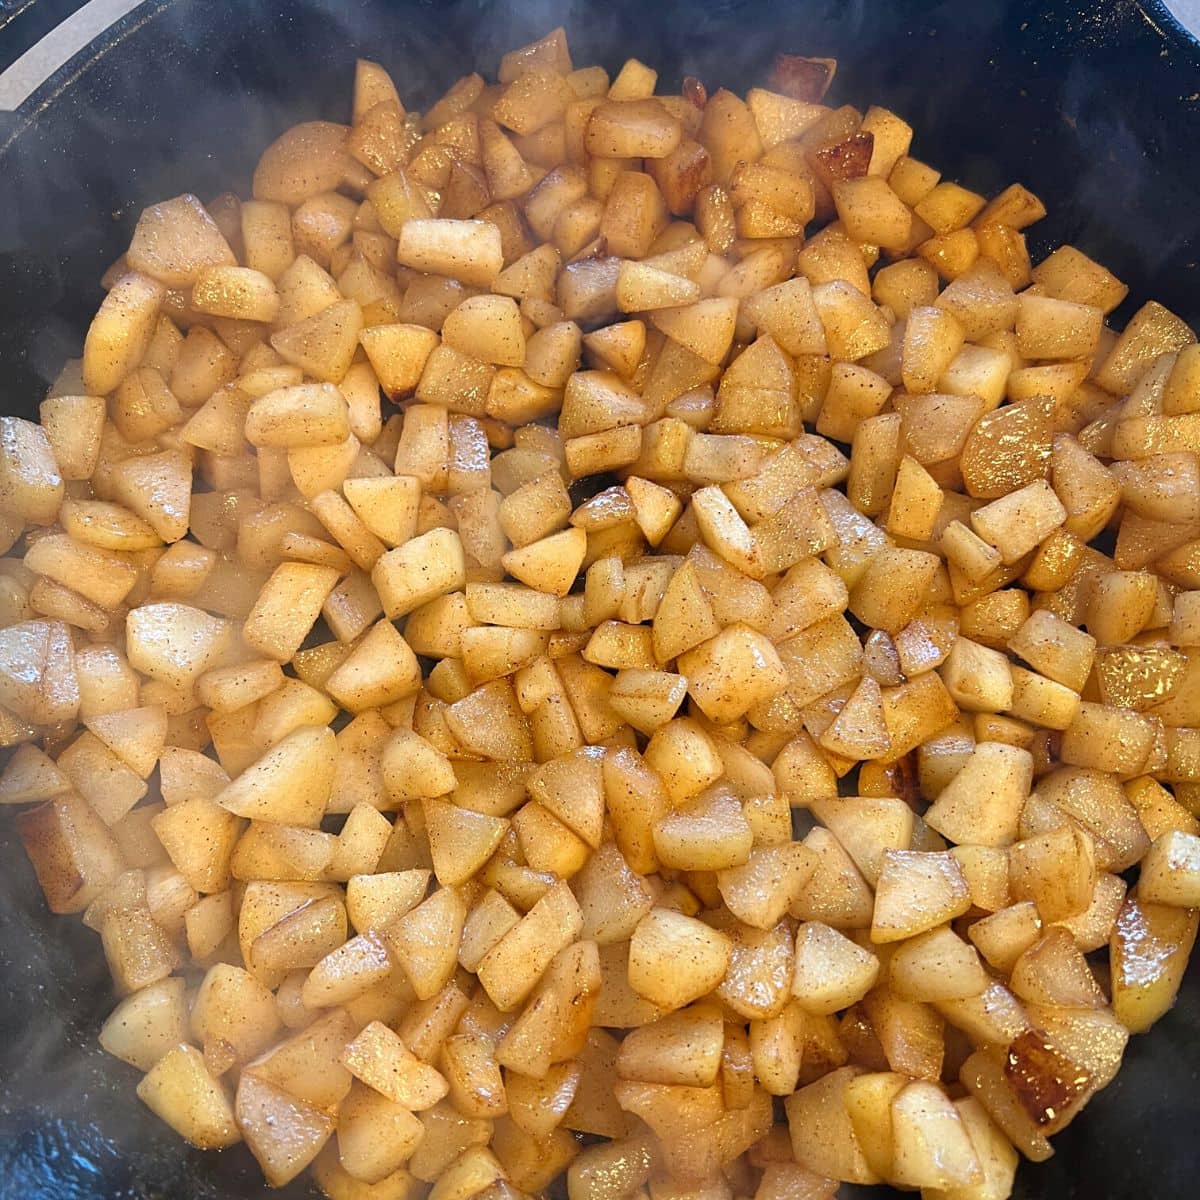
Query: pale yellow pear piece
x,y
180,1090
30,774
322,345
308,1064
642,287
932,1148
532,275
414,769
136,735
836,894
675,959
158,488
31,480
868,1100
917,891
787,313
982,804
617,347
551,563
761,890
174,642
937,965
822,1134
374,901
572,788
859,731
175,239
380,670
120,332
705,328
294,418
867,827
682,1048
831,972
284,1134
684,618
656,508
290,784
647,699
381,1060
460,840
425,941
387,506
398,353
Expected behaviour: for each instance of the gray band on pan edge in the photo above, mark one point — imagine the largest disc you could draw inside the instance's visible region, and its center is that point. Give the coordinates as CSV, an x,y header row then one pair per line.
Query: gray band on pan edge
x,y
62,43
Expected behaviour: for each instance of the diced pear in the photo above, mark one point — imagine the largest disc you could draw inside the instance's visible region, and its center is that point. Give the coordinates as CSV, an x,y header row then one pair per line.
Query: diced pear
x,y
380,670
376,1136
421,570
414,768
322,345
290,784
30,775
136,735
234,1012
512,968
931,1145
982,804
120,332
175,239
675,959
868,828
916,892
1170,872
460,841
180,1090
831,972
681,1048
38,677
765,887
174,642
425,941
284,1134
822,1135
308,1064
148,1024
74,425
868,1099
551,563
937,965
31,481
381,1060
399,354
293,418
1149,953
387,506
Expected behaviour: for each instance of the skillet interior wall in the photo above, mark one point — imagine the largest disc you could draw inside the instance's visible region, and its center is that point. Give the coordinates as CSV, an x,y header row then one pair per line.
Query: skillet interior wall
x,y
1090,104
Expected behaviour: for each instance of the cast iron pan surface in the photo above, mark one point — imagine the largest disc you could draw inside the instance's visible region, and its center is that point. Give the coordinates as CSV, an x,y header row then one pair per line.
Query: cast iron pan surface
x,y
1096,106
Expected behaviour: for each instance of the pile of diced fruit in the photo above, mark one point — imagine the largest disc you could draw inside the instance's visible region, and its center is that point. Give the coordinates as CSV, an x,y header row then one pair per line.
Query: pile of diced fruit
x,y
612,634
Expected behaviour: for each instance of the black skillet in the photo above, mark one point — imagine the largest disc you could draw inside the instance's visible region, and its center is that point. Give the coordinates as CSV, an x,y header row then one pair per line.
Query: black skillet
x,y
1095,105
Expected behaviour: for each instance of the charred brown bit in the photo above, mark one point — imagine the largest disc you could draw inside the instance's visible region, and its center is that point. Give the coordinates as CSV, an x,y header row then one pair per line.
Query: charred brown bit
x,y
847,159
695,91
1044,1079
802,78
902,776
